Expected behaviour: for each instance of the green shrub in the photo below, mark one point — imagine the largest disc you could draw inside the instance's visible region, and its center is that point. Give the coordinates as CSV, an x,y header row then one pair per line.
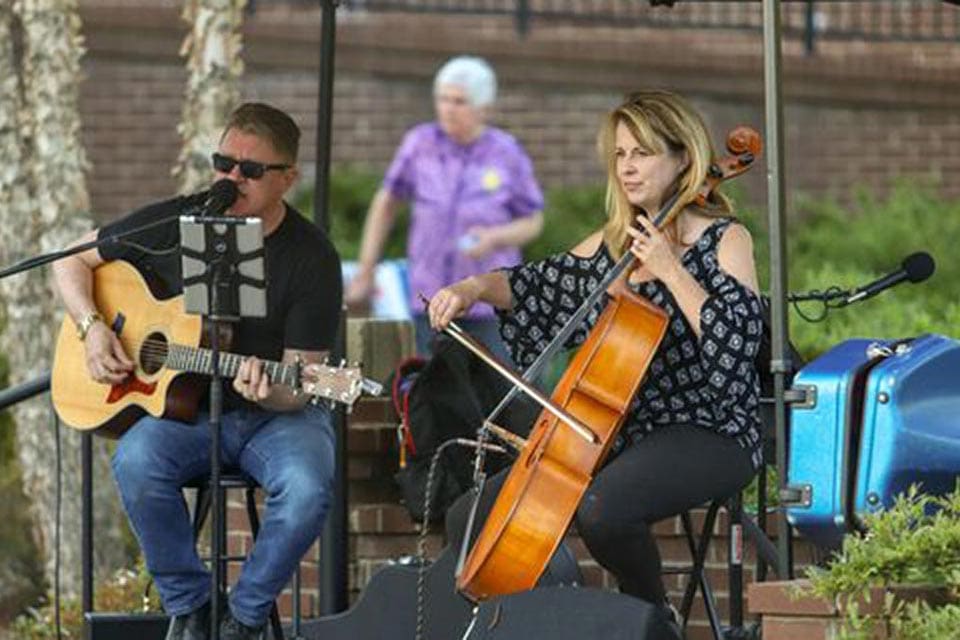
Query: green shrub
x,y
351,191
919,621
570,215
914,542
127,591
828,245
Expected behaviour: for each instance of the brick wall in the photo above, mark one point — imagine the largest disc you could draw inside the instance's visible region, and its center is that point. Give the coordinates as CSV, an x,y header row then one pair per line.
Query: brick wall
x,y
855,113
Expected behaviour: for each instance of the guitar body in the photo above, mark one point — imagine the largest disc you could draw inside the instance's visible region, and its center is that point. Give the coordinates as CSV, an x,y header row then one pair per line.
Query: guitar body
x,y
141,322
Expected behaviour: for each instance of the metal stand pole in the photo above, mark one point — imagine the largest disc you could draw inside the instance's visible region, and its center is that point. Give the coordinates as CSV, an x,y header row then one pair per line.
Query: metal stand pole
x,y
334,550
86,521
328,43
333,542
217,506
776,211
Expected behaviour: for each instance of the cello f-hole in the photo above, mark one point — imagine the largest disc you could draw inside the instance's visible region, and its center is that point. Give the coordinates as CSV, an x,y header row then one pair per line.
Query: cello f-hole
x,y
536,444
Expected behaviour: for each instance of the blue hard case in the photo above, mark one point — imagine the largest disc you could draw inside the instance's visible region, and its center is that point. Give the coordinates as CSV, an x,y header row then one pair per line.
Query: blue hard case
x,y
882,415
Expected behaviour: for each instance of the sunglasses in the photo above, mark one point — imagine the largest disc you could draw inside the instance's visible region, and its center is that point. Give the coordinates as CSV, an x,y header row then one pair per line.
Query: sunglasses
x,y
249,169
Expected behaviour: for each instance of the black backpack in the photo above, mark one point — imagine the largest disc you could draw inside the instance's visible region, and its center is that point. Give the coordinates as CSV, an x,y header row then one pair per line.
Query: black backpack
x,y
445,397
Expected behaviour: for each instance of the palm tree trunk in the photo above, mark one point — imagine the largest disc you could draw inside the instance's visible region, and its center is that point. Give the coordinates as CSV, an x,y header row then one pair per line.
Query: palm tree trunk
x,y
214,66
43,206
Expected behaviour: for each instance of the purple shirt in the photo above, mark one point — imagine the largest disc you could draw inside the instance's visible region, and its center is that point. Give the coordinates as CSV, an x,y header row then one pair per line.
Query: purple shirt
x,y
452,187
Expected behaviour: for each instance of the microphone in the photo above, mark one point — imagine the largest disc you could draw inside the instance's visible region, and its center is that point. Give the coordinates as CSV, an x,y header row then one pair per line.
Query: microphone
x,y
222,195
916,267
210,202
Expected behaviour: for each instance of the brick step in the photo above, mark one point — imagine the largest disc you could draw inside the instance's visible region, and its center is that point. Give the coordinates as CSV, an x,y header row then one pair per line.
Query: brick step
x,y
369,409
372,437
384,519
371,468
375,491
389,518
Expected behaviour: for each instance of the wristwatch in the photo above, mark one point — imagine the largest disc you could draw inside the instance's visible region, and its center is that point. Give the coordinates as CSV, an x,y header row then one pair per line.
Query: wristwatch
x,y
88,321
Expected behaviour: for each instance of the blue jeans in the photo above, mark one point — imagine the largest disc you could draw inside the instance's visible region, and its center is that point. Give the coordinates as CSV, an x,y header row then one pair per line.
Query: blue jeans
x,y
486,331
291,455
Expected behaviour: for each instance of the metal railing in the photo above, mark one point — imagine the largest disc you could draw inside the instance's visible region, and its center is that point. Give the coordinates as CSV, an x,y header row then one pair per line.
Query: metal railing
x,y
809,20
24,391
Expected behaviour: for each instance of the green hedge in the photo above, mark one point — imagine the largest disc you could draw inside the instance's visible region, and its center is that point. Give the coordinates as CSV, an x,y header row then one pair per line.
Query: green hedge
x,y
915,542
351,191
848,247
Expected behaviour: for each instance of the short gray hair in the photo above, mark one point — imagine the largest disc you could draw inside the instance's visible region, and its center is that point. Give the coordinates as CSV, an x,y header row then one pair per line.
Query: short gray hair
x,y
474,75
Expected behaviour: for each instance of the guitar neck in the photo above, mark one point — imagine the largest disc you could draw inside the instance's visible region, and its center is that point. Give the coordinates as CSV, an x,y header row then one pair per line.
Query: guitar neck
x,y
199,360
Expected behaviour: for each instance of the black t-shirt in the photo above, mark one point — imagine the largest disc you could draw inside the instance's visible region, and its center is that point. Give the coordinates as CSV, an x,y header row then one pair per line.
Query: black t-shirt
x,y
304,286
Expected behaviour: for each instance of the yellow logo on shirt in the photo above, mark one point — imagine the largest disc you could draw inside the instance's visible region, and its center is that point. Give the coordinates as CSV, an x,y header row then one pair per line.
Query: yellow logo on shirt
x,y
491,180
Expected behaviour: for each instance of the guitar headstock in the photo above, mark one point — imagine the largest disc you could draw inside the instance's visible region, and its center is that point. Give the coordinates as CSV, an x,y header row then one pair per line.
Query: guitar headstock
x,y
340,384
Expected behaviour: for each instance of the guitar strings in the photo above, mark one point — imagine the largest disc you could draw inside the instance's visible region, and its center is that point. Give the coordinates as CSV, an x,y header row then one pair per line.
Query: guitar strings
x,y
157,352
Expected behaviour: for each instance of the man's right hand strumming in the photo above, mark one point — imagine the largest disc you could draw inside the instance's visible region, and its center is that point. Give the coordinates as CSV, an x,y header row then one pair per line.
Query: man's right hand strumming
x,y
107,361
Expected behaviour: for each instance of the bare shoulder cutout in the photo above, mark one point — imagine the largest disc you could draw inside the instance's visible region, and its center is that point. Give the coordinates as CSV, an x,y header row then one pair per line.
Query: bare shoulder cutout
x,y
589,245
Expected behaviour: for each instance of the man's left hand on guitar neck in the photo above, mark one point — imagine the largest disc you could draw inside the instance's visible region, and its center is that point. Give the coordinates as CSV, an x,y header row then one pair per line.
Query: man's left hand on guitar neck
x,y
253,382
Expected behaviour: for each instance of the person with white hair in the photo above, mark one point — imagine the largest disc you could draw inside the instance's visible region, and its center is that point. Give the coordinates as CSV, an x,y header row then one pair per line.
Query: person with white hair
x,y
474,200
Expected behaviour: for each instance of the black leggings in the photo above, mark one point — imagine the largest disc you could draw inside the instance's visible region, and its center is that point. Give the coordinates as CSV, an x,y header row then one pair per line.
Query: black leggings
x,y
669,471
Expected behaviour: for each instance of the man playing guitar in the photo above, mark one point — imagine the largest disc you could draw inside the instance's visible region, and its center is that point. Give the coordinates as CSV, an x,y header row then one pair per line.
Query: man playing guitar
x,y
269,432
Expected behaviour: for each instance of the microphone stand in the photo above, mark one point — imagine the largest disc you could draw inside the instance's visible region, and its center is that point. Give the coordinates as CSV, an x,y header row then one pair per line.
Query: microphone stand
x,y
827,296
53,256
216,406
219,249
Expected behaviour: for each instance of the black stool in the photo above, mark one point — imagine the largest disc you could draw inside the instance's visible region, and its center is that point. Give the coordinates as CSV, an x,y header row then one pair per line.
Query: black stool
x,y
232,479
740,526
697,578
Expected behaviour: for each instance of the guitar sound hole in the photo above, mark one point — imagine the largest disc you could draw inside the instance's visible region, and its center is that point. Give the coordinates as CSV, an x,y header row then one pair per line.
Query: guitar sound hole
x,y
153,353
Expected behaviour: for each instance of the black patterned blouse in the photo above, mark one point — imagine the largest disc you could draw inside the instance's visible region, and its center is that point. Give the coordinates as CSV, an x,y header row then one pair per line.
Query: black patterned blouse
x,y
711,382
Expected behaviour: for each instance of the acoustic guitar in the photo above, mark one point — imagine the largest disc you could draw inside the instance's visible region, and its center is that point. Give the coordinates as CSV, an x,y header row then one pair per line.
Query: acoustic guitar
x,y
164,342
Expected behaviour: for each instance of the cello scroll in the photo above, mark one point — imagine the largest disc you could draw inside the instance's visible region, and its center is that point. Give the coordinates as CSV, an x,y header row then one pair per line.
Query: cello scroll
x,y
744,146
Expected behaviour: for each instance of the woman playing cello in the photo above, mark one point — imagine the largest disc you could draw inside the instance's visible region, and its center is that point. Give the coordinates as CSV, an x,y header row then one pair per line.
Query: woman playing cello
x,y
692,433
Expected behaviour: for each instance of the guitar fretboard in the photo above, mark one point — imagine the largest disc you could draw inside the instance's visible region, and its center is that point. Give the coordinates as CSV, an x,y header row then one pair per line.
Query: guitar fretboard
x,y
197,360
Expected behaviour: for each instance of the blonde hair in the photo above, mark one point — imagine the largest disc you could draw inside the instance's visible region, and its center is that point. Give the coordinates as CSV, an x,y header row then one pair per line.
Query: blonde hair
x,y
660,121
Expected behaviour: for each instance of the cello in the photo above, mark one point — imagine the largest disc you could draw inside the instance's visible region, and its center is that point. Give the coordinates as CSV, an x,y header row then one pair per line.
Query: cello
x,y
572,435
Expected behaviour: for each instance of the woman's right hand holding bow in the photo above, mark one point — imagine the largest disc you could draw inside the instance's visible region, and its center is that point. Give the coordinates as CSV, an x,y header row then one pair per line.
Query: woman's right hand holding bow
x,y
453,301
